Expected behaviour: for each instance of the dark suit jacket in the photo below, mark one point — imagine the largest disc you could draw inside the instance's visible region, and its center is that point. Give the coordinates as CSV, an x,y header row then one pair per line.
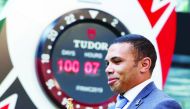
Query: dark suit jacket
x,y
153,98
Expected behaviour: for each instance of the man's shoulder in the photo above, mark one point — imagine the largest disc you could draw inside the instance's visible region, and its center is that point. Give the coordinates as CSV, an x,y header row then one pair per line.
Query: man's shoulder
x,y
155,94
167,103
154,98
158,95
160,100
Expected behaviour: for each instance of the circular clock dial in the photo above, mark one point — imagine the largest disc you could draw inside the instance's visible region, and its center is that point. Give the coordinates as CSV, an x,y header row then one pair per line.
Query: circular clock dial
x,y
70,57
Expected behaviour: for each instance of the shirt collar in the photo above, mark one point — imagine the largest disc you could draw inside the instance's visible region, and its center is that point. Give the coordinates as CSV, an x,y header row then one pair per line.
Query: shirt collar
x,y
132,93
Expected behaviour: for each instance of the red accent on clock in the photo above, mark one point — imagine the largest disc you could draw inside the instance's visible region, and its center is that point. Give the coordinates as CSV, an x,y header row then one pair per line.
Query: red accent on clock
x,y
91,33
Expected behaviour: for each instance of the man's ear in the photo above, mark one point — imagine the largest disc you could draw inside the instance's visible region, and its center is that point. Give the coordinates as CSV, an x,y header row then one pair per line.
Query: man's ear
x,y
145,64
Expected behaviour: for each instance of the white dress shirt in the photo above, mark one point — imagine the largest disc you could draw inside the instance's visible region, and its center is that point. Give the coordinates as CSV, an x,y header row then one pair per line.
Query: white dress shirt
x,y
132,93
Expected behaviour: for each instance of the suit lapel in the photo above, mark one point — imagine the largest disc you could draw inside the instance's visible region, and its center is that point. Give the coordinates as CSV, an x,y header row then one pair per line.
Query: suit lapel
x,y
140,97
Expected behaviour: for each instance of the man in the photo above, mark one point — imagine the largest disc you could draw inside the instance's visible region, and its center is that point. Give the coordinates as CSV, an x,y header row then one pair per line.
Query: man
x,y
130,62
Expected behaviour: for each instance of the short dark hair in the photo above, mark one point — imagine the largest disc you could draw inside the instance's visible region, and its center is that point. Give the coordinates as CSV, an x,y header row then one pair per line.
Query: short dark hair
x,y
142,45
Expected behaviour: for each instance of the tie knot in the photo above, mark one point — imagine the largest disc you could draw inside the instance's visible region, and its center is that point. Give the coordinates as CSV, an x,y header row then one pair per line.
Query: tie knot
x,y
121,97
121,102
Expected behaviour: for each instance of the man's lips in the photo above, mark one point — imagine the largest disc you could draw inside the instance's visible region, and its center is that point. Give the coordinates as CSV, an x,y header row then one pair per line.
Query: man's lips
x,y
111,81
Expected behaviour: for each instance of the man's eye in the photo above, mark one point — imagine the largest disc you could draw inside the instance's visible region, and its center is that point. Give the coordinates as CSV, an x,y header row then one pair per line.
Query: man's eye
x,y
117,61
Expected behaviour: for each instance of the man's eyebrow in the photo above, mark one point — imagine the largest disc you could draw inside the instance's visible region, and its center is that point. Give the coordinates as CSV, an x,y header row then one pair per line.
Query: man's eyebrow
x,y
112,58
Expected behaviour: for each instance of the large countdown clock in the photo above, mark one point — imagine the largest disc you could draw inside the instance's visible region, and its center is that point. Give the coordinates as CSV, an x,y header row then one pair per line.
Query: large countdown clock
x,y
70,58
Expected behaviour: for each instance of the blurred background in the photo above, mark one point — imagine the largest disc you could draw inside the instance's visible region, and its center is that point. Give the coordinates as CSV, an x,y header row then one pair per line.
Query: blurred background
x,y
178,81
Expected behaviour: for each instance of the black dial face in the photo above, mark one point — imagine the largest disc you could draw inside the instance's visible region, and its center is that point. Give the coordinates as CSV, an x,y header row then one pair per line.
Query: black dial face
x,y
78,62
70,58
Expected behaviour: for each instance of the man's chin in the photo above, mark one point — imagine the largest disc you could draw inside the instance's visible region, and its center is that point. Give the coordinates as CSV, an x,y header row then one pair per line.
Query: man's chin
x,y
114,89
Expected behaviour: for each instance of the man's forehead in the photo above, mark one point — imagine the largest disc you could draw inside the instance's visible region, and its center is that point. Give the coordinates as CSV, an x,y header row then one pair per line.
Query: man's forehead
x,y
118,50
120,47
122,44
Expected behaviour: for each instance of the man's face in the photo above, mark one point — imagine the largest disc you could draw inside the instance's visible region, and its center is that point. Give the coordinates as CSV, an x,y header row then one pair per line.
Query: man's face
x,y
122,70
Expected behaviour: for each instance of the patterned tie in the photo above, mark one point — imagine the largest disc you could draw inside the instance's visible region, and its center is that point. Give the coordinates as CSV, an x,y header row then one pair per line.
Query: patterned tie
x,y
121,102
